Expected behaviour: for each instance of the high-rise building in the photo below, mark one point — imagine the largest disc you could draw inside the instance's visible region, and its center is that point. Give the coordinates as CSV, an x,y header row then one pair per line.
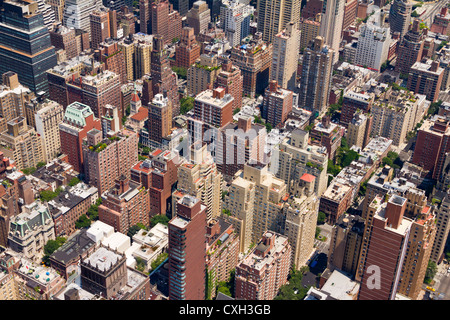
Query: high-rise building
x,y
96,91
64,38
298,157
350,10
13,98
353,101
187,51
99,23
255,203
358,130
58,8
144,16
373,42
200,178
21,144
254,58
395,113
315,78
426,78
159,122
274,16
309,31
328,134
222,253
127,46
277,104
25,46
109,53
202,74
441,22
187,251
48,119
400,16
442,231
410,49
163,78
311,9
198,17
125,205
345,243
419,248
107,159
142,54
78,120
331,25
388,233
265,269
432,145
235,19
76,14
165,21
286,46
230,77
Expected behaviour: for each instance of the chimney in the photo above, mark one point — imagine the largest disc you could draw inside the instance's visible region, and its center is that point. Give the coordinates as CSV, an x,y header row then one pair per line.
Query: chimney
x,y
218,93
123,184
434,66
326,121
395,209
244,123
273,86
416,26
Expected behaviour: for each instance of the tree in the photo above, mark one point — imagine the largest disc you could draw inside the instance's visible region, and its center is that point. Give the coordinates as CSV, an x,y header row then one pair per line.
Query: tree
x,y
74,181
135,229
186,104
50,247
82,222
321,217
160,259
268,127
47,195
236,110
431,272
180,71
160,218
28,171
40,164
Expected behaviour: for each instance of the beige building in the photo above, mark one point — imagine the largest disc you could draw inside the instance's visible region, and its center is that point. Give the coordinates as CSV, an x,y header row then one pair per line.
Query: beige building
x,y
200,178
285,57
47,126
395,113
358,130
202,74
137,55
309,31
297,157
255,205
199,17
21,143
331,25
127,47
30,230
301,221
442,230
274,16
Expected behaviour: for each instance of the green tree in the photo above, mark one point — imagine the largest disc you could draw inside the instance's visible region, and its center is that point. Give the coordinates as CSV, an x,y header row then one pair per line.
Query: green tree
x,y
28,171
160,259
431,272
47,195
135,229
82,222
321,217
160,218
180,71
74,181
40,164
236,110
186,104
268,127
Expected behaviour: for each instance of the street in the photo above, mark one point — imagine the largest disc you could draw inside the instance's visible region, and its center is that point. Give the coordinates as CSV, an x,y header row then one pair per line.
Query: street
x,y
442,282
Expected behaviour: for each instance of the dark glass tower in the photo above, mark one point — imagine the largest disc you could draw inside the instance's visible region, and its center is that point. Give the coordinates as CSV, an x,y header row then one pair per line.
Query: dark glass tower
x,y
25,46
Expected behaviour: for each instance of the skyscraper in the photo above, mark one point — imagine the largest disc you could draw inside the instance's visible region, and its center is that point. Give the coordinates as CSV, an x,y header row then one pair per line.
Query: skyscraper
x,y
331,25
187,50
277,104
159,122
76,13
199,16
25,46
163,78
187,250
235,20
387,238
410,49
78,120
48,119
286,45
316,77
274,16
99,23
400,16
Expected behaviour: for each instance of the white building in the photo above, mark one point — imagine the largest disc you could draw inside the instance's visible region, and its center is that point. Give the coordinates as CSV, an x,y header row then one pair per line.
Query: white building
x,y
373,42
235,20
76,13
